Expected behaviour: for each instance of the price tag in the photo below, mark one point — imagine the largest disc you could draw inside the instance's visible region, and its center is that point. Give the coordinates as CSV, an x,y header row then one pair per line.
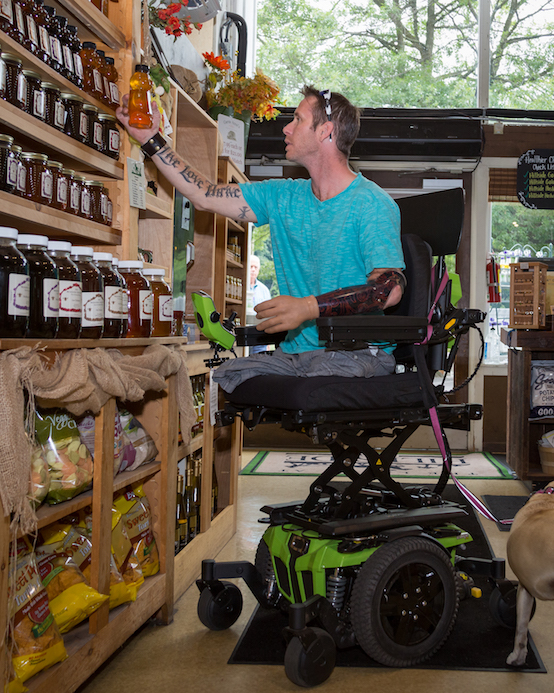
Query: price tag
x,y
137,183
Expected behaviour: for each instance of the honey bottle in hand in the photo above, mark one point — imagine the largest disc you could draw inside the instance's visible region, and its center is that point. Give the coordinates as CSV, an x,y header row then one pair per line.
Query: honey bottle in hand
x,y
140,110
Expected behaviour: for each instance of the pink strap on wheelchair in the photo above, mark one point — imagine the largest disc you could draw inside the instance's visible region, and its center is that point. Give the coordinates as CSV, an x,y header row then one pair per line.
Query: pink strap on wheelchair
x,y
466,493
438,294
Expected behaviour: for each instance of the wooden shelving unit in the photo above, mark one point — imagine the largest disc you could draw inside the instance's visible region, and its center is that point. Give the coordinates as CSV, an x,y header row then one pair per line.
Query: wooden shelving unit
x,y
91,643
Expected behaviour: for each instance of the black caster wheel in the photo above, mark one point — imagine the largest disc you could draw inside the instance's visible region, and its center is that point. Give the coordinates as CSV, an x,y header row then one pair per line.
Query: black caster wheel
x,y
404,602
313,665
219,612
503,607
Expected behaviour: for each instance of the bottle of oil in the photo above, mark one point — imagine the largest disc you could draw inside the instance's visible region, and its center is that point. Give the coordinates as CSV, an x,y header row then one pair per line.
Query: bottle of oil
x,y
180,518
140,109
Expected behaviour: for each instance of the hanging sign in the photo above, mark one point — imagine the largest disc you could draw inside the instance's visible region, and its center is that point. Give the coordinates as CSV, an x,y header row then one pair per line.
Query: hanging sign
x,y
232,134
535,179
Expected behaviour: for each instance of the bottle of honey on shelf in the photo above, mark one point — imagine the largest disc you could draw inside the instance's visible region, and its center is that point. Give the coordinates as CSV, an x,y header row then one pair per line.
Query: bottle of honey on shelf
x,y
139,292
92,79
140,109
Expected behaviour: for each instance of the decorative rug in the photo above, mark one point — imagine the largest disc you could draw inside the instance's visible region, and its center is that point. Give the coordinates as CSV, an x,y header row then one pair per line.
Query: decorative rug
x,y
474,465
477,642
504,508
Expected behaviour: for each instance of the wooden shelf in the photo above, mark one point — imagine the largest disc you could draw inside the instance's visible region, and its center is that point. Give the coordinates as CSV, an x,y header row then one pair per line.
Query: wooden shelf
x,y
156,208
195,444
234,263
92,21
235,226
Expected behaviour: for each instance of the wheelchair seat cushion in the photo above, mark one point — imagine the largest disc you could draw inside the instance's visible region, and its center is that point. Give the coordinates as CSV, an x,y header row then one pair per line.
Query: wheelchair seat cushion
x,y
329,393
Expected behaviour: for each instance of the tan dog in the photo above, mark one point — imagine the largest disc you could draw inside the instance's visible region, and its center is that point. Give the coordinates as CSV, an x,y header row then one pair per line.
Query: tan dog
x,y
530,551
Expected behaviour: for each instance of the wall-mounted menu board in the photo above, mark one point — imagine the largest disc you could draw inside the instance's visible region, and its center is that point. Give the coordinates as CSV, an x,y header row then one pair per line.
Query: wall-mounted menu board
x,y
535,179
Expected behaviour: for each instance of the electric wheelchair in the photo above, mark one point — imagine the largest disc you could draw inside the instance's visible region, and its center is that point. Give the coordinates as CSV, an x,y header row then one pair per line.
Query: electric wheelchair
x,y
369,561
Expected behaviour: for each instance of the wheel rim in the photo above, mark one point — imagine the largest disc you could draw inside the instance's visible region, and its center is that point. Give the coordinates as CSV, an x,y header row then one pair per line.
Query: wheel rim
x,y
412,604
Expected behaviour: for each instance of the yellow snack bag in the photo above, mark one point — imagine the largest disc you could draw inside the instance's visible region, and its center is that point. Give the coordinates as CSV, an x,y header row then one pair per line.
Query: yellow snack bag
x,y
137,518
37,643
71,598
125,557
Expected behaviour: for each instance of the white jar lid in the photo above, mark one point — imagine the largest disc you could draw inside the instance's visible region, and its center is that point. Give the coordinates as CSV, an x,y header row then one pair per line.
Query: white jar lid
x,y
81,250
131,264
59,245
115,261
102,256
31,239
8,232
154,271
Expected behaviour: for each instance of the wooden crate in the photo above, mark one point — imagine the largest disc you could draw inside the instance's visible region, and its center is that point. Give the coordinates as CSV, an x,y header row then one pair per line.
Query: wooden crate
x,y
528,295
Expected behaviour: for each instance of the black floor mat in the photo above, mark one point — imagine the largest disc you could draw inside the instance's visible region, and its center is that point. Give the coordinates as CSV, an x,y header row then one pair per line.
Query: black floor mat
x,y
476,642
504,508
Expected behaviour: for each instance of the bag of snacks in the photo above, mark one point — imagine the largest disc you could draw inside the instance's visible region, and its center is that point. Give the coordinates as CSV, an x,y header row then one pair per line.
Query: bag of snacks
x,y
71,598
137,518
69,462
123,453
124,554
34,635
145,447
39,484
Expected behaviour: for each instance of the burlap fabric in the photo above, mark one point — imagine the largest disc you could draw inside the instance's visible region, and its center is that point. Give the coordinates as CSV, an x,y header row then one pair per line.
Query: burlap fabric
x,y
80,380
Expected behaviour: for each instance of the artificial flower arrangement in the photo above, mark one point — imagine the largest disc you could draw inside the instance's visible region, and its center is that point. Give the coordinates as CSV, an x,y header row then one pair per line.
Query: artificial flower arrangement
x,y
163,16
228,89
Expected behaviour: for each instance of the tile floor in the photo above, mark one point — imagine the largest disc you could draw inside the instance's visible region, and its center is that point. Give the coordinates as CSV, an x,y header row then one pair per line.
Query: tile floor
x,y
185,656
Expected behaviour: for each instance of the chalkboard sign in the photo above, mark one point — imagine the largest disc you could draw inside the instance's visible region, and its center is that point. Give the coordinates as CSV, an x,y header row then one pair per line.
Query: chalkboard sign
x,y
535,179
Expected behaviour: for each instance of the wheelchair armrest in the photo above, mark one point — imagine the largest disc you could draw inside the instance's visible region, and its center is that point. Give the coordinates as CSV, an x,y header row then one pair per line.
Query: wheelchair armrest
x,y
351,329
248,335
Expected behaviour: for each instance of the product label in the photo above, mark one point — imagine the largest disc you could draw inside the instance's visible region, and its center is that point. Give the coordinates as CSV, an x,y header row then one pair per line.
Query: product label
x,y
114,92
93,309
46,185
78,65
145,304
2,75
115,302
68,59
19,293
19,19
83,125
59,114
70,298
44,38
6,10
22,89
61,192
97,81
165,308
85,202
74,198
56,49
97,135
11,172
51,298
104,206
109,215
32,30
113,141
21,177
39,103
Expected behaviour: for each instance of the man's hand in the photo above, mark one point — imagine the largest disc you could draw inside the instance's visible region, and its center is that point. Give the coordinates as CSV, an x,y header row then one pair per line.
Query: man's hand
x,y
141,135
285,313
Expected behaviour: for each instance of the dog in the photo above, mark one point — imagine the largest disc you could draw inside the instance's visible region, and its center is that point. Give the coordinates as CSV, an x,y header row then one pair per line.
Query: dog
x,y
530,552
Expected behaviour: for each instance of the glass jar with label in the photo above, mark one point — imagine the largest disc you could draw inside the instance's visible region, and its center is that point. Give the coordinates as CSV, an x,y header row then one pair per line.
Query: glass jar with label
x,y
44,287
13,28
102,69
94,127
92,316
162,301
92,79
20,20
98,207
14,286
70,287
28,7
34,99
59,186
85,209
56,57
112,76
115,296
124,296
16,87
110,135
6,16
42,24
8,164
54,109
21,184
38,187
139,314
73,192
106,206
76,123
76,47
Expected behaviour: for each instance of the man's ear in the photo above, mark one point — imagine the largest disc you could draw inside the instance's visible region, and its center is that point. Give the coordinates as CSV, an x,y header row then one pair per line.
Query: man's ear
x,y
326,130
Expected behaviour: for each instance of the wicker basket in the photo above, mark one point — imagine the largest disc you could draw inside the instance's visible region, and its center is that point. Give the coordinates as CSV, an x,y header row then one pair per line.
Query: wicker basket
x,y
546,453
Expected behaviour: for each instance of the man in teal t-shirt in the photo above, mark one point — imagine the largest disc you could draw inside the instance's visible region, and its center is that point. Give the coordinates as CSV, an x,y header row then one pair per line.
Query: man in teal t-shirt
x,y
335,236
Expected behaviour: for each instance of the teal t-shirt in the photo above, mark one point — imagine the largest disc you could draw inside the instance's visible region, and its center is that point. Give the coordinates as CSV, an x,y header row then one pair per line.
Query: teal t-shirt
x,y
323,246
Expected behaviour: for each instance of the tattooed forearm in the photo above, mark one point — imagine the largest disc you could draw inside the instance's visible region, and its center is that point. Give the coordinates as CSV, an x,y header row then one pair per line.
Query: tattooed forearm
x,y
222,191
192,177
367,298
168,157
244,212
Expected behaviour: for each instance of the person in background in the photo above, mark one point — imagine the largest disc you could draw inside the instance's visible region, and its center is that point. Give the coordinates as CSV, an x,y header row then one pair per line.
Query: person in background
x,y
260,293
335,239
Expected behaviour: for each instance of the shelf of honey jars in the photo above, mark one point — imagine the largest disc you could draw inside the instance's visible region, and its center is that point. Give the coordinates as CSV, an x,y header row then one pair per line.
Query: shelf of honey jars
x,y
93,23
